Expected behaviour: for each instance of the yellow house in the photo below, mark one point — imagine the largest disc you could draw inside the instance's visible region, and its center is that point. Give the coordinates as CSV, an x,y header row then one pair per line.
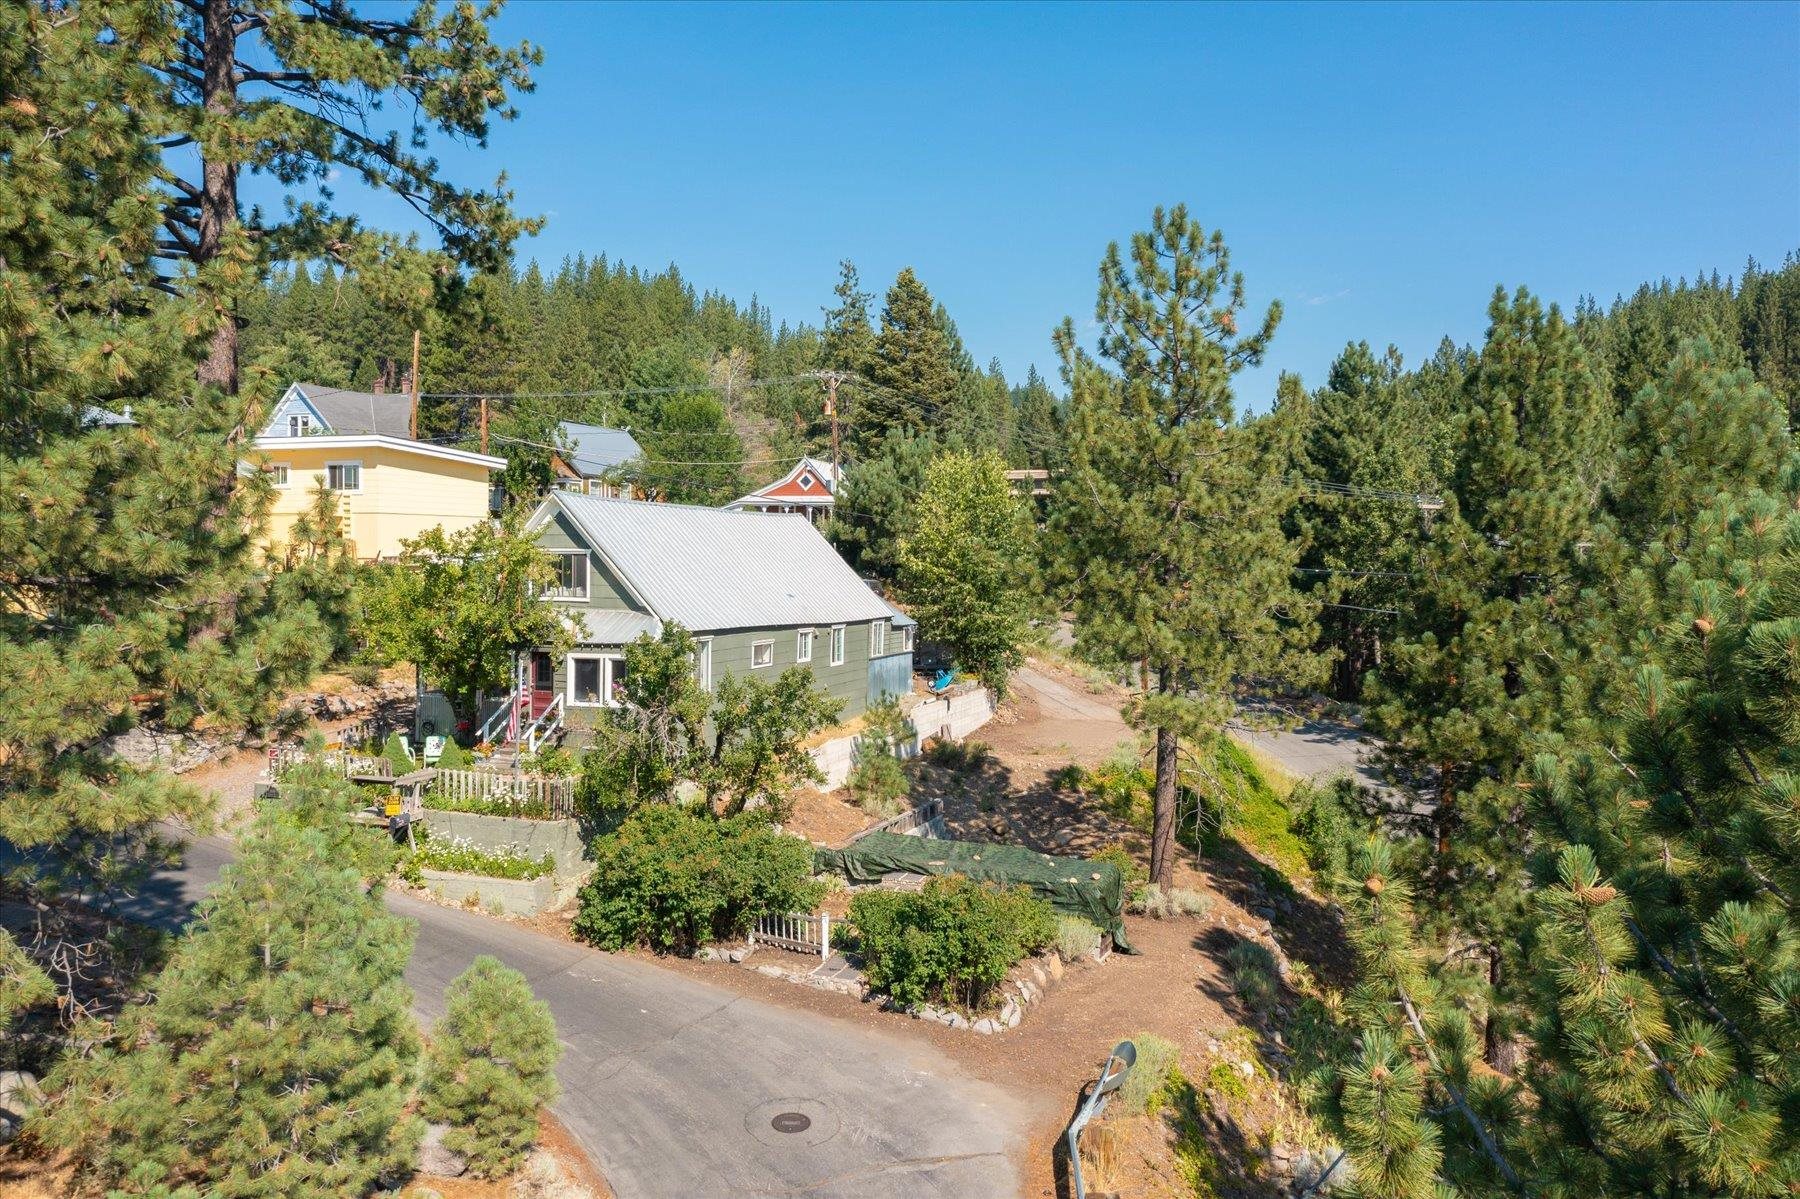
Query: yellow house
x,y
389,486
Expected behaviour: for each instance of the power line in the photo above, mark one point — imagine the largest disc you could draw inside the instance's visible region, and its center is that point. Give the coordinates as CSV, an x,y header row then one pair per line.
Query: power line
x,y
682,389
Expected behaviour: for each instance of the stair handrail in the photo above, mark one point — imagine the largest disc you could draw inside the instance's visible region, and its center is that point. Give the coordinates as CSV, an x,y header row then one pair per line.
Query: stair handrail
x,y
539,730
485,734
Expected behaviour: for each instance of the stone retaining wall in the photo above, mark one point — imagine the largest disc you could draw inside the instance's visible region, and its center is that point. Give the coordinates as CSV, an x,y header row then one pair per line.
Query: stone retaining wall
x,y
510,896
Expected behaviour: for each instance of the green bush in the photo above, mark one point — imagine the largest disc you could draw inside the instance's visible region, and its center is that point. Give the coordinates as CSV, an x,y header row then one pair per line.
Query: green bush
x,y
1254,976
1330,818
363,674
1075,938
489,1067
674,877
1146,1087
455,757
394,750
1129,869
952,941
961,756
1148,899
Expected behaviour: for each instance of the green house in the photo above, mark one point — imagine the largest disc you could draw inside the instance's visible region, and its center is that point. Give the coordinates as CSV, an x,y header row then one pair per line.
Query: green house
x,y
760,592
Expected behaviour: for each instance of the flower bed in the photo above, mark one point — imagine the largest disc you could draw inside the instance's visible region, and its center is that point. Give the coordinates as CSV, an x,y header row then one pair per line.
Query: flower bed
x,y
460,856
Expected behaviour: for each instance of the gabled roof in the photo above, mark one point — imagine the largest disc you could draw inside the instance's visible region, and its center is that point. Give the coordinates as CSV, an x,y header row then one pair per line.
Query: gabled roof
x,y
347,411
708,569
783,489
365,441
595,449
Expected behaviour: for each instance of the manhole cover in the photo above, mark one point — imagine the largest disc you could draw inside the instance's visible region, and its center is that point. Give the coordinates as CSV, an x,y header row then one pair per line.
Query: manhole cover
x,y
791,1123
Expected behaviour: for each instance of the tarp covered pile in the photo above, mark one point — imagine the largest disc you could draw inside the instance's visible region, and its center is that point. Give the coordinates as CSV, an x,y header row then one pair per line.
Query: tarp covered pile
x,y
1095,891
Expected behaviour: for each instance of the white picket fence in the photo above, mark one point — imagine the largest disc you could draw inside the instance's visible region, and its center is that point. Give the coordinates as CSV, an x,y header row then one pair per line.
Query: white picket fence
x,y
552,794
796,931
288,755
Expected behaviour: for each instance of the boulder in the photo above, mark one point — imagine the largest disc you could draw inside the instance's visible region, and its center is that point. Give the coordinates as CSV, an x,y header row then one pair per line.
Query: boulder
x,y
986,1026
437,1158
1054,964
19,1097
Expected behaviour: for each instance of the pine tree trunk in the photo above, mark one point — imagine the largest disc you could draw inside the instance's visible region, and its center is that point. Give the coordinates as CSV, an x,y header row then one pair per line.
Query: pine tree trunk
x,y
218,182
1499,1051
1162,826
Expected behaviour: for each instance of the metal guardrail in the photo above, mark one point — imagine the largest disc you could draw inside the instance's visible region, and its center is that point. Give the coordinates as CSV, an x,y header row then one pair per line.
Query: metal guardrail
x,y
1112,1076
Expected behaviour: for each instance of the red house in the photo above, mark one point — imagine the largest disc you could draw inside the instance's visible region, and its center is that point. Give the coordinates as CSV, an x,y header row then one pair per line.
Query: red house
x,y
811,487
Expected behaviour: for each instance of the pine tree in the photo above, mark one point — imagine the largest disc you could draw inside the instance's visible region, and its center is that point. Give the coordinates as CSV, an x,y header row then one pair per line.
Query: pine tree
x,y
1486,657
966,565
1667,1029
877,502
849,335
1170,512
278,1056
912,370
113,588
489,1067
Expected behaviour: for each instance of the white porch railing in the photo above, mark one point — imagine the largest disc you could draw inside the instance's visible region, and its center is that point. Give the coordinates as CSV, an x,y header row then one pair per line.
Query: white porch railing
x,y
546,726
498,724
796,931
285,757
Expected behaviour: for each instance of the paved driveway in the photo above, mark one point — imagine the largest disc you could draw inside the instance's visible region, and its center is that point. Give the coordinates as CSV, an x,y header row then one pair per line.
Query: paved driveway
x,y
675,1087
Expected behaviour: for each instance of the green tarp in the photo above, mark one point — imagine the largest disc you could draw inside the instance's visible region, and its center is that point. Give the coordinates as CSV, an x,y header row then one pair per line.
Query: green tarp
x,y
1095,891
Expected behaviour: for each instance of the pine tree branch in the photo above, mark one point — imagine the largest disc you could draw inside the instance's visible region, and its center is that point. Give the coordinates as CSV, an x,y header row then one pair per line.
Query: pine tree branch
x,y
1456,1095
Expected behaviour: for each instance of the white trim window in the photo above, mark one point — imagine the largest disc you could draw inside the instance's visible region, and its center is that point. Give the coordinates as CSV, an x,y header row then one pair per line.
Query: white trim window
x,y
344,477
877,638
837,645
278,474
803,645
571,576
703,662
762,654
906,639
595,680
299,424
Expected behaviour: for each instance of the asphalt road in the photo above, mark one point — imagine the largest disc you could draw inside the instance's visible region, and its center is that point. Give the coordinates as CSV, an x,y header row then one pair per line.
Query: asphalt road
x,y
1318,748
674,1086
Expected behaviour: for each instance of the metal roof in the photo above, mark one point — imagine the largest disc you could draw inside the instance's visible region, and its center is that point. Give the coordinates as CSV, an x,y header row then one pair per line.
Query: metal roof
x,y
709,569
595,449
609,626
347,411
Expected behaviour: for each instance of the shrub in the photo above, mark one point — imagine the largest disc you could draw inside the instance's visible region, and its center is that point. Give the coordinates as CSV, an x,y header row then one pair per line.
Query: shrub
x,y
957,755
1146,1087
674,877
1119,856
952,941
1254,976
455,757
489,1067
1330,819
1239,800
394,750
1151,900
1075,938
363,674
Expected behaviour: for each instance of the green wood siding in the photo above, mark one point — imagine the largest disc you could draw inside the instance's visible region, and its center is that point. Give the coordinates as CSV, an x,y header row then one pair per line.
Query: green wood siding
x,y
731,655
604,590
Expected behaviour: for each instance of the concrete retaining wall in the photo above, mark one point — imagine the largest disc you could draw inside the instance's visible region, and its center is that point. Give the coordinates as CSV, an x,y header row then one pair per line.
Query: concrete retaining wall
x,y
514,897
533,838
951,717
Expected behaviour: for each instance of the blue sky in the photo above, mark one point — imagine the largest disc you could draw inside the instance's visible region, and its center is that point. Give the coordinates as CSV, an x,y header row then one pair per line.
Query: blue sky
x,y
1377,169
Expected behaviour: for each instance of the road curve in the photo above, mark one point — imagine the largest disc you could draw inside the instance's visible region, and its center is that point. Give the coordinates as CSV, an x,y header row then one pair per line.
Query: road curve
x,y
673,1085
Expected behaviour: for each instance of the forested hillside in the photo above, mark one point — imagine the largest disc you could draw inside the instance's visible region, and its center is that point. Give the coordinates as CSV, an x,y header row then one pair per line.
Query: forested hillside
x,y
720,395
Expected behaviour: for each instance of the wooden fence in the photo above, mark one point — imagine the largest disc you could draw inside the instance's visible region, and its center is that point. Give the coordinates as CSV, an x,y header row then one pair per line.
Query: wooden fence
x,y
796,931
545,795
922,821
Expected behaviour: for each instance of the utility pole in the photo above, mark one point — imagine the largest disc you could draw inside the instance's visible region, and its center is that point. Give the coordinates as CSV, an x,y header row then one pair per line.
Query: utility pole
x,y
415,386
831,384
484,424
